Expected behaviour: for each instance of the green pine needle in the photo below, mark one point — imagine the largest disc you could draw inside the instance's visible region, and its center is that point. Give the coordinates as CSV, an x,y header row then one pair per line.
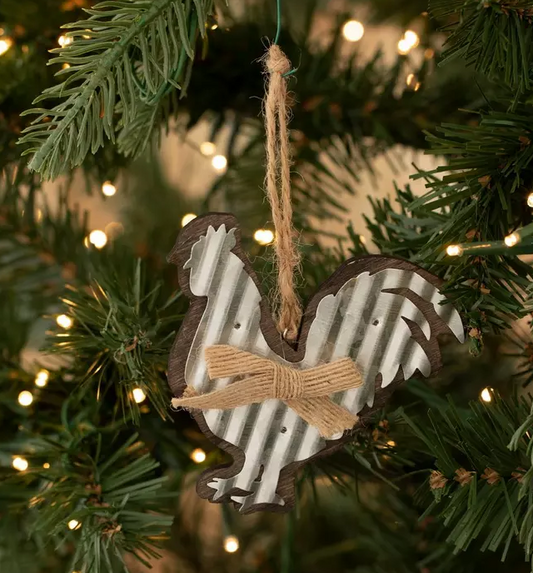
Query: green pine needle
x,y
127,55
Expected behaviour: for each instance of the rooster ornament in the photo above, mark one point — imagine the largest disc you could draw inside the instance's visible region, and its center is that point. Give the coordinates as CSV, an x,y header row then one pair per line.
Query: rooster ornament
x,y
379,314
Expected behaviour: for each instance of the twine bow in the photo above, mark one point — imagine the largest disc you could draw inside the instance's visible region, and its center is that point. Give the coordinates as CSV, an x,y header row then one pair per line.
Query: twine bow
x,y
307,391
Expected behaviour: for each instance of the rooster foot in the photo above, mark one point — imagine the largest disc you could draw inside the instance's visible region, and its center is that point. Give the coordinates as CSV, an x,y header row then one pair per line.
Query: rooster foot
x,y
252,499
224,486
221,486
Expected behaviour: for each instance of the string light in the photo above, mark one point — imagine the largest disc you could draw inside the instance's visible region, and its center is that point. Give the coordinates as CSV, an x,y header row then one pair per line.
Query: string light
x,y
73,524
41,379
511,240
231,544
5,44
65,66
138,395
264,236
391,443
114,229
214,26
64,41
409,41
198,456
108,189
20,464
486,395
353,30
64,321
98,238
25,398
530,200
454,251
207,148
403,47
46,466
412,82
412,38
186,219
219,162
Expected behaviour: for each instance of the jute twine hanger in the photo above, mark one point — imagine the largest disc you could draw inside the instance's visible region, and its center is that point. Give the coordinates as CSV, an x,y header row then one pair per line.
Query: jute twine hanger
x,y
278,190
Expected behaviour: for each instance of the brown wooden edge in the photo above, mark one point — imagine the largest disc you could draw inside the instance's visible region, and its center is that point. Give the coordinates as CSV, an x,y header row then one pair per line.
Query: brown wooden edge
x,y
179,255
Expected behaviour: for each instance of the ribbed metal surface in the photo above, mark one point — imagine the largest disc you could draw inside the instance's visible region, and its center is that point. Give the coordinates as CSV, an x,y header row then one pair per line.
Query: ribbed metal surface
x,y
360,321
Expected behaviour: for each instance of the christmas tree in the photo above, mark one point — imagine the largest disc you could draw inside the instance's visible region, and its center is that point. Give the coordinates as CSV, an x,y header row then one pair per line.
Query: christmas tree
x,y
97,472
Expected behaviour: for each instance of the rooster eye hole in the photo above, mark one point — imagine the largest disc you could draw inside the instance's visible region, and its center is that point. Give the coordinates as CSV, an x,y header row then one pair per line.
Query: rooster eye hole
x,y
376,322
283,430
237,325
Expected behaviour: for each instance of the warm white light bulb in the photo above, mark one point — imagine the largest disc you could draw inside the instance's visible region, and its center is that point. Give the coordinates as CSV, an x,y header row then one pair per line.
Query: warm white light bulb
x,y
530,200
25,398
65,66
231,544
46,466
454,251
264,236
64,41
207,148
353,30
73,524
64,321
41,379
20,464
403,47
5,44
511,240
219,162
98,238
108,189
198,456
486,395
138,395
186,219
114,229
411,38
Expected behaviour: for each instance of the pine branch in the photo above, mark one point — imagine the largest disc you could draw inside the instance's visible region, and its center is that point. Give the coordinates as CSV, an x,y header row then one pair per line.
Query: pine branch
x,y
486,186
481,483
109,504
133,50
404,233
494,36
121,336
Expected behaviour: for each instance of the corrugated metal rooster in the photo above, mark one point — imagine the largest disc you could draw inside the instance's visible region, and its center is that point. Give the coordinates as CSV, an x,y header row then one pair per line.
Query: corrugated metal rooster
x,y
383,313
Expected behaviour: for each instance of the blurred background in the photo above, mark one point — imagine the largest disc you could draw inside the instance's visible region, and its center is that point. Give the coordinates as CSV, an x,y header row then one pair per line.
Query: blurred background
x,y
96,474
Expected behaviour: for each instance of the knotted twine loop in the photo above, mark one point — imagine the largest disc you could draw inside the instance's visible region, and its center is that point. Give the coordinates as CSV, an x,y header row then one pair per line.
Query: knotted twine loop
x,y
278,189
307,391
